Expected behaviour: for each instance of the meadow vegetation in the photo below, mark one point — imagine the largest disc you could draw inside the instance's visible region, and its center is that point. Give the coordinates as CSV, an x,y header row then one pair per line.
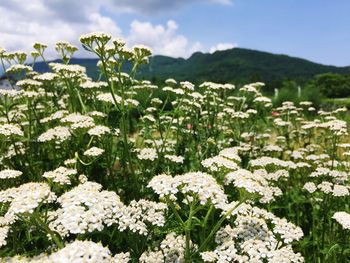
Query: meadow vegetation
x,y
123,170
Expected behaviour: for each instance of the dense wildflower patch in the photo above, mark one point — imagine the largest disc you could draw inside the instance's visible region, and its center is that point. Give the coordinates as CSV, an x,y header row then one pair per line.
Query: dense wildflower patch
x,y
123,170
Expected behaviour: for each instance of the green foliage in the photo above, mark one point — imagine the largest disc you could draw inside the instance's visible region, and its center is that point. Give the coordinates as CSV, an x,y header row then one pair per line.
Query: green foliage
x,y
333,85
236,65
169,173
290,92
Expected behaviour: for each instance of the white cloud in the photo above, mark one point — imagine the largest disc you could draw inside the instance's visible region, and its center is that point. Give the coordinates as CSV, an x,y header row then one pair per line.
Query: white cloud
x,y
162,39
54,20
223,2
222,46
23,25
150,7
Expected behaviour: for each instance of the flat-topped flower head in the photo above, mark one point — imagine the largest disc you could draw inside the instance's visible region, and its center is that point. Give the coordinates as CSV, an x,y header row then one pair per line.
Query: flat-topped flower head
x,y
57,135
46,77
27,197
18,69
193,185
141,53
172,249
343,218
68,70
9,173
62,46
93,85
78,121
39,47
61,175
82,251
20,56
99,130
118,43
9,130
98,38
85,208
29,84
147,154
94,152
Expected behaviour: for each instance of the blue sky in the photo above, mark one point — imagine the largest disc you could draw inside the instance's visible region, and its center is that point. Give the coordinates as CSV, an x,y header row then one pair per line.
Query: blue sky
x,y
318,30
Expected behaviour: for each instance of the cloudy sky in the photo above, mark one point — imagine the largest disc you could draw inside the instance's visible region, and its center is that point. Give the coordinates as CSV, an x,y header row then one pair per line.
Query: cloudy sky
x,y
318,30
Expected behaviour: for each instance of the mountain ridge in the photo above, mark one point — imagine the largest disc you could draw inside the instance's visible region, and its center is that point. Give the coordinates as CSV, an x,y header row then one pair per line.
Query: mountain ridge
x,y
237,65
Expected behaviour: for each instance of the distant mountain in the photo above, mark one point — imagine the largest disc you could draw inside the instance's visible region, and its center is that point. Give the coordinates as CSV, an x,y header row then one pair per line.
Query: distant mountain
x,y
237,65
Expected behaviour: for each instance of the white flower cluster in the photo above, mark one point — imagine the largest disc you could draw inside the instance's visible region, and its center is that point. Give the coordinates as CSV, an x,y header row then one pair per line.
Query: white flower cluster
x,y
94,152
4,230
99,130
68,71
147,154
55,116
253,183
8,130
266,161
57,135
28,83
231,153
310,187
193,185
18,148
82,251
172,249
107,97
61,175
138,214
10,173
78,121
86,208
217,163
343,218
77,251
26,197
255,238
47,76
174,158
94,85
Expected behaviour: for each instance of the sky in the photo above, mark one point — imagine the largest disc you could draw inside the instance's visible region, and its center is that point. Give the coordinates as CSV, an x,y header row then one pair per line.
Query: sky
x,y
317,30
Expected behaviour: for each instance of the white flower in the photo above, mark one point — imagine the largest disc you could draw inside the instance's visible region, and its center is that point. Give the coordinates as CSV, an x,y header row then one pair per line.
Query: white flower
x,y
58,135
78,121
10,130
147,154
82,251
94,152
60,175
4,230
99,130
343,218
310,187
172,249
202,185
9,173
25,198
174,158
93,85
218,162
107,97
85,209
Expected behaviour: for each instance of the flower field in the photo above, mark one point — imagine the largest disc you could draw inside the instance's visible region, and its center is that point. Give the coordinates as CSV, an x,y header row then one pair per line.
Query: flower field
x,y
122,170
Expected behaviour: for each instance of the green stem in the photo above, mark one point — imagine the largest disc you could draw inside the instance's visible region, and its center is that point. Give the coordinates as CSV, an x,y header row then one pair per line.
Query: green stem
x,y
188,235
216,227
53,235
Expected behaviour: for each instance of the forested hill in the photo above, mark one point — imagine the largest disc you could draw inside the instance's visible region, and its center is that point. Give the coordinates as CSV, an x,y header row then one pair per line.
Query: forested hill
x,y
237,65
